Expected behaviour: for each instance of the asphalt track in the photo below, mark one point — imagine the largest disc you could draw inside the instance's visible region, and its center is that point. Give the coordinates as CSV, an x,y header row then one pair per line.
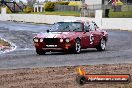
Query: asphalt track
x,y
119,49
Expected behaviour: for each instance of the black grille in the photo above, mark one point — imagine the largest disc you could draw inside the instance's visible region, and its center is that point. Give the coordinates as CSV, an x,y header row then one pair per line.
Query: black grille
x,y
51,40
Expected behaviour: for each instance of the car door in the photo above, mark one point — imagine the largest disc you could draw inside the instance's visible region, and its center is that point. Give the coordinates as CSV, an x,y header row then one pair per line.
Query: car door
x,y
86,36
98,33
94,34
91,35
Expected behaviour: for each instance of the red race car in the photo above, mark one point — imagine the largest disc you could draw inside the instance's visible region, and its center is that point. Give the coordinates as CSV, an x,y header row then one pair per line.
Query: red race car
x,y
71,36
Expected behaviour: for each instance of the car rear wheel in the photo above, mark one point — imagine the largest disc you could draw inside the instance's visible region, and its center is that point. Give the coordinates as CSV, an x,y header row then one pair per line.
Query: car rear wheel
x,y
102,45
40,52
77,47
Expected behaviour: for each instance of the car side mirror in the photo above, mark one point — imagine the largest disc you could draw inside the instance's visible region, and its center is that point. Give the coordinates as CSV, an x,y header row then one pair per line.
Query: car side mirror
x,y
48,31
86,30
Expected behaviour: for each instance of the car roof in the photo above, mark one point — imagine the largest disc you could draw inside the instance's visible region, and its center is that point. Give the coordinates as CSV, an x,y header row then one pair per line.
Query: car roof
x,y
77,21
72,21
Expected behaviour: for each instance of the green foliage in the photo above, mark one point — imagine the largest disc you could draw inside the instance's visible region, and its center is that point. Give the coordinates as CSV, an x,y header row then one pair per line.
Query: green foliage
x,y
49,6
62,3
8,10
28,9
75,3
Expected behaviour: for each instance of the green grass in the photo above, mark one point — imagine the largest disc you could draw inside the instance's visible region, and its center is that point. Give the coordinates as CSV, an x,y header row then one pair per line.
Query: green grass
x,y
4,43
124,14
63,13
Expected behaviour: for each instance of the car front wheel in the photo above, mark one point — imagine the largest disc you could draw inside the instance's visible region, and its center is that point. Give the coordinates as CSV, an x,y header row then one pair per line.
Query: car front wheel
x,y
77,47
102,45
40,52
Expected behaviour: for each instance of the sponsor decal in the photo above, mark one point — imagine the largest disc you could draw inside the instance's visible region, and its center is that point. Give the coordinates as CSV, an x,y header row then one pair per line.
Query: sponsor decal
x,y
83,78
91,37
51,45
51,35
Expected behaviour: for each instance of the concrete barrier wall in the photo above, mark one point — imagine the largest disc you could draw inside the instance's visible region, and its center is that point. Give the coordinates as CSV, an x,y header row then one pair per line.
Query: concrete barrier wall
x,y
105,23
38,18
117,23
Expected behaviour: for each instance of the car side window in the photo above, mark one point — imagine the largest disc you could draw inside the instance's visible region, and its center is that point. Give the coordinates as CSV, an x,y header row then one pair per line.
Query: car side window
x,y
95,25
92,27
86,26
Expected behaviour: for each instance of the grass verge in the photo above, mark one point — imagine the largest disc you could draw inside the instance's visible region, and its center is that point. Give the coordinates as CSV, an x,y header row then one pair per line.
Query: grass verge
x,y
60,77
63,13
126,14
4,43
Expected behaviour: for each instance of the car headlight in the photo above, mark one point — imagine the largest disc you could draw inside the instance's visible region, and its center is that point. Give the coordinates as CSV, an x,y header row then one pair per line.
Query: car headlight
x,y
67,40
41,40
61,40
35,40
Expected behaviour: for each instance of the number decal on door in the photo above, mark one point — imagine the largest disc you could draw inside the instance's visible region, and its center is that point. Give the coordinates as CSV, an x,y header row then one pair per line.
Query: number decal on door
x,y
91,39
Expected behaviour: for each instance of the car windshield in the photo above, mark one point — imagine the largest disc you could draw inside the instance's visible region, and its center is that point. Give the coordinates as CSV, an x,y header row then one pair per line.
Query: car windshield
x,y
66,26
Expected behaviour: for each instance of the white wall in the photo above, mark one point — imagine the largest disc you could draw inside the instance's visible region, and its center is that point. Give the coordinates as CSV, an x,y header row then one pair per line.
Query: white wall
x,y
38,18
105,23
93,2
117,23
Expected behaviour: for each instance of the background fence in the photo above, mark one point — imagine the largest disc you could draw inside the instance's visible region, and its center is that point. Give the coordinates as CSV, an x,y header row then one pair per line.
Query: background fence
x,y
89,10
66,8
126,8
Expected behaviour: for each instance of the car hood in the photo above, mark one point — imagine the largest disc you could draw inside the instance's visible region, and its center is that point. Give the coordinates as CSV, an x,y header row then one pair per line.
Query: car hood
x,y
56,35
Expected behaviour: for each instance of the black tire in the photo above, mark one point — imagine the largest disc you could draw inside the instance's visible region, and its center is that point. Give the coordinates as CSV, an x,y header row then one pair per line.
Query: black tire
x,y
102,45
40,52
77,47
81,80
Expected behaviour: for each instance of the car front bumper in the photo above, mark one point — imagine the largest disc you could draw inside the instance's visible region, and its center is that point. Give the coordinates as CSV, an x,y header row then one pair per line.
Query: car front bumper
x,y
53,47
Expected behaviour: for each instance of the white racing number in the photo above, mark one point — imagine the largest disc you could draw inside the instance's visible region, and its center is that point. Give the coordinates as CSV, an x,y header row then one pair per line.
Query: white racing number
x,y
91,39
